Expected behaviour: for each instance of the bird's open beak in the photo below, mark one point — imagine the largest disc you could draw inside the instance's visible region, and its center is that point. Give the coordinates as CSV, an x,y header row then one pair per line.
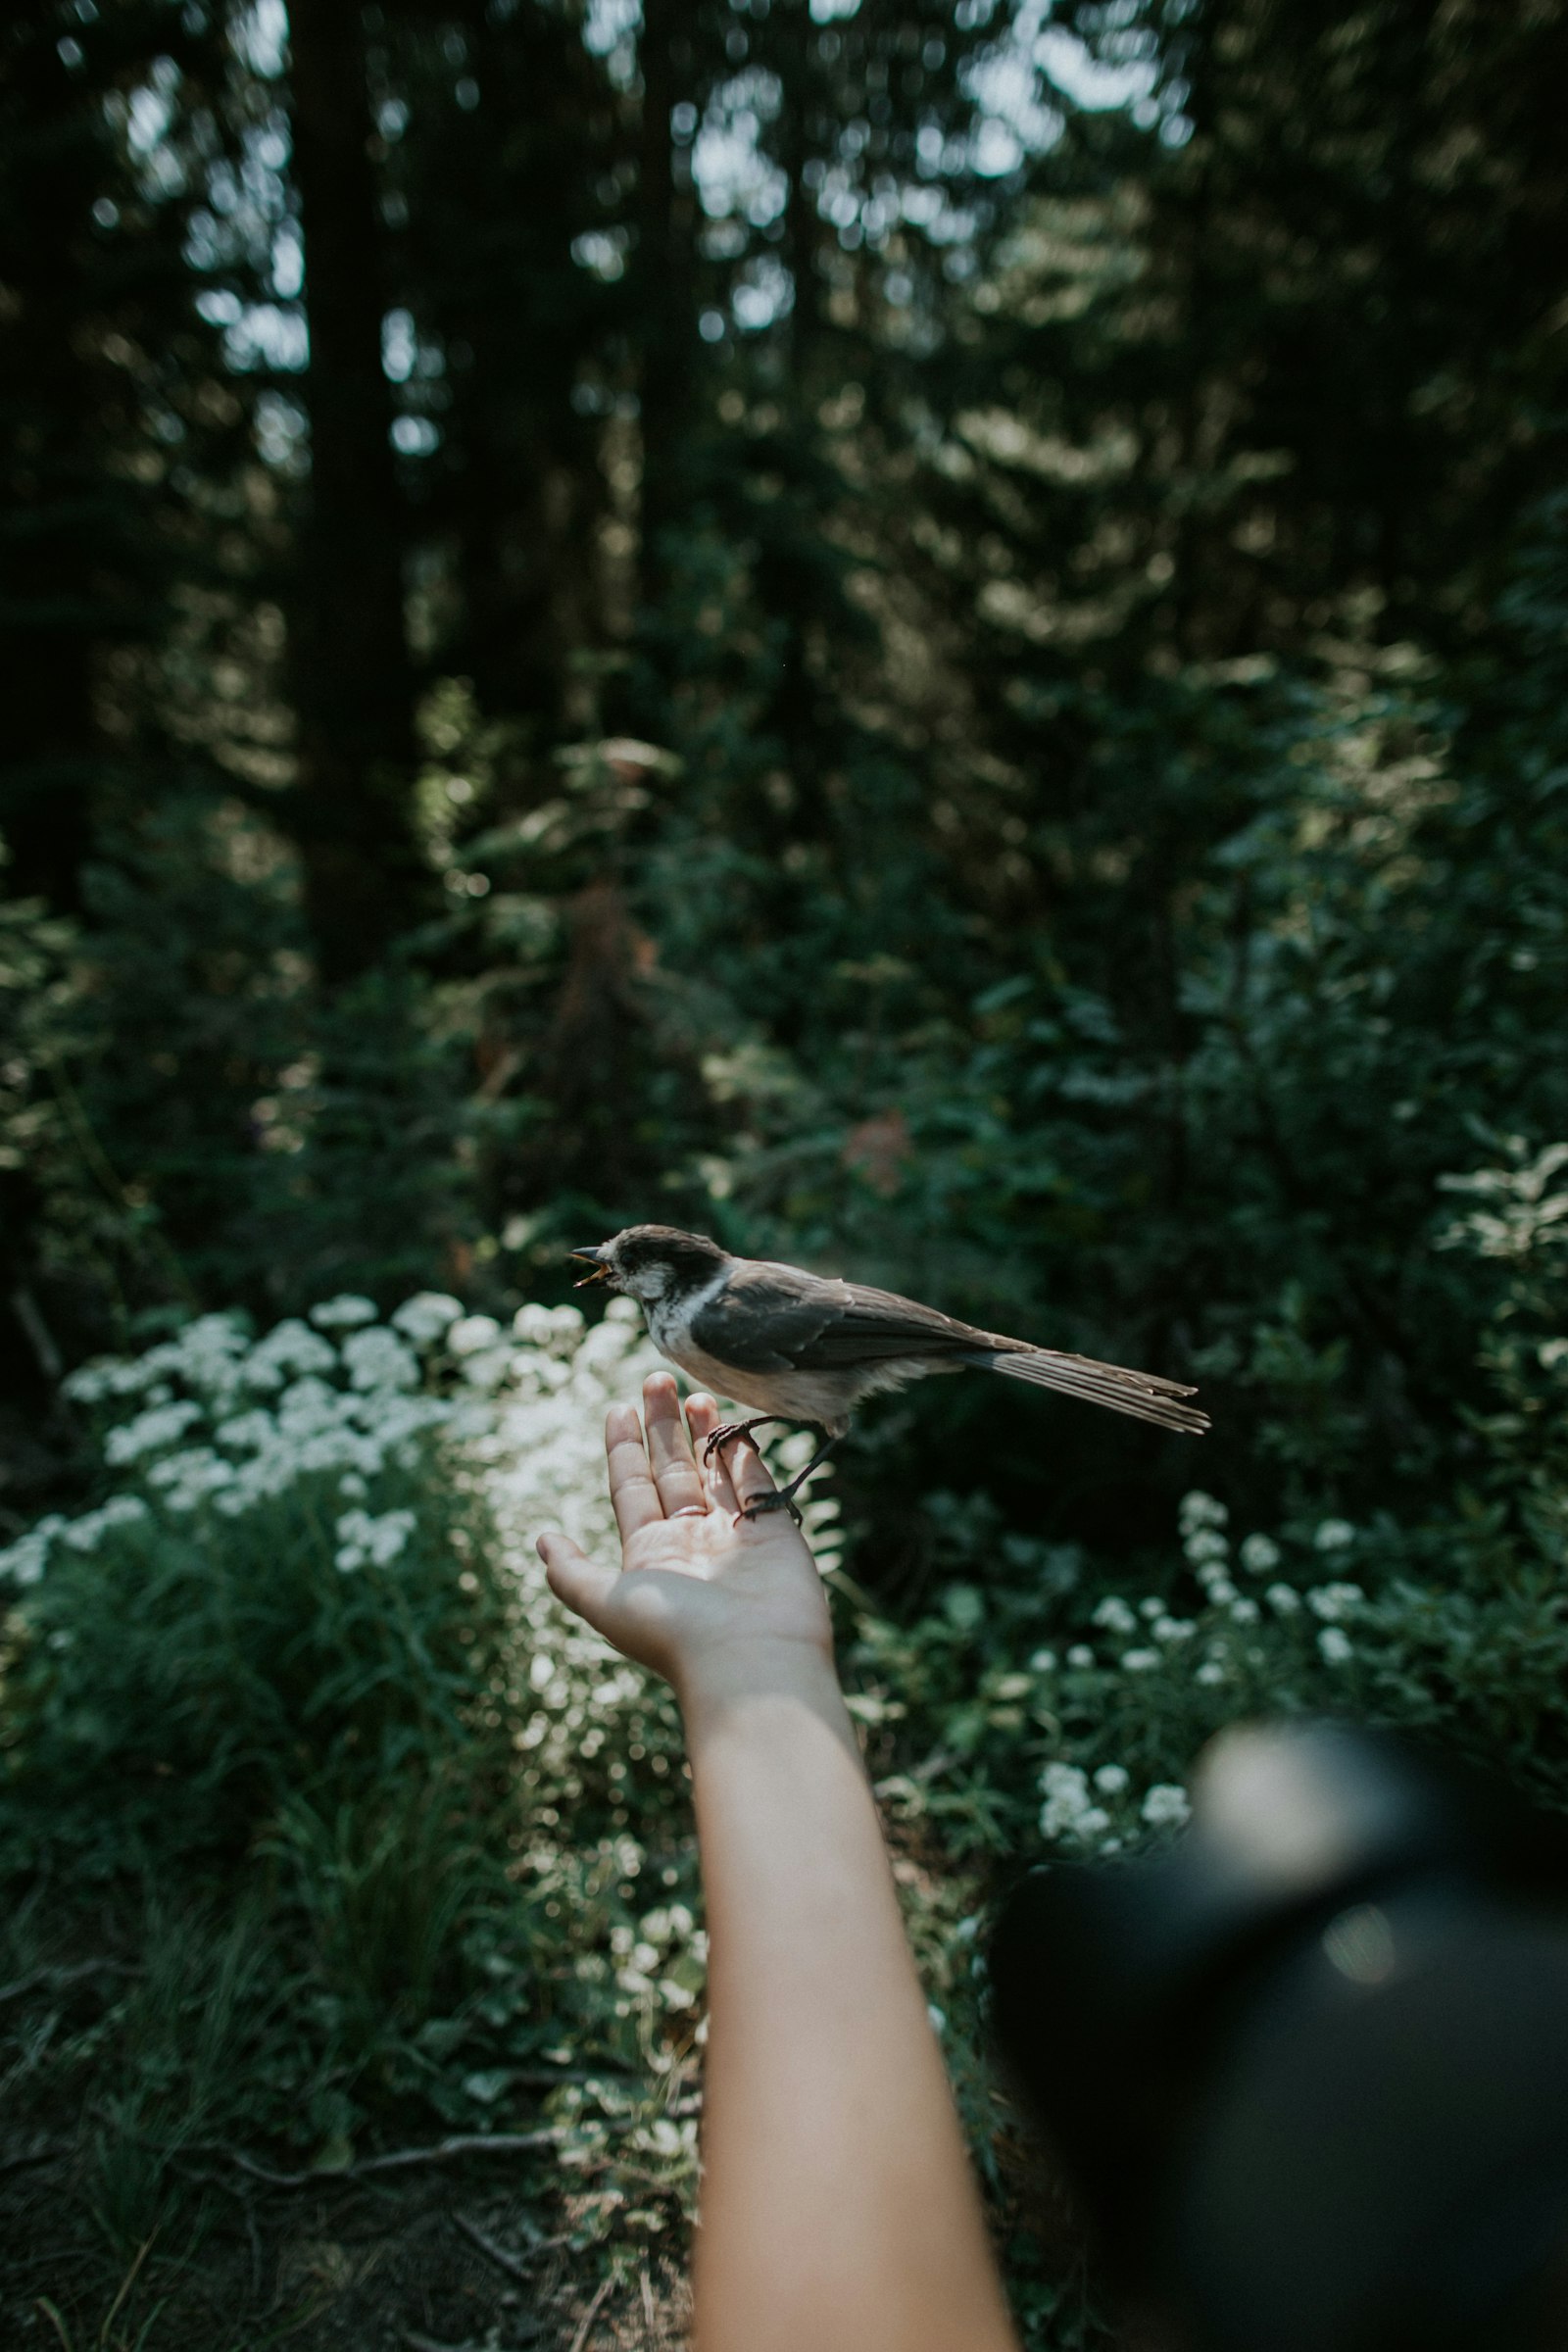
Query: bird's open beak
x,y
601,1272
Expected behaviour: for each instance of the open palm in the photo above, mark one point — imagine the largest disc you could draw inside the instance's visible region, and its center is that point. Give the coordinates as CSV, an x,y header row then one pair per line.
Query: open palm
x,y
695,1578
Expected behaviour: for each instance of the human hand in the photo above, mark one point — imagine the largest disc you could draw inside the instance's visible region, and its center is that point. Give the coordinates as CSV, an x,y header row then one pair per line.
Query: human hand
x,y
699,1592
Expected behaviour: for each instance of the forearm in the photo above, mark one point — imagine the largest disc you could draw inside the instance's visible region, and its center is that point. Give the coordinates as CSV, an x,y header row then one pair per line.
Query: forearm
x,y
838,2208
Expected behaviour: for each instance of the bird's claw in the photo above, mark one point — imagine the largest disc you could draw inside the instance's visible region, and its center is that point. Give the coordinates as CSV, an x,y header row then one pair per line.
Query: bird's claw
x,y
726,1434
774,1499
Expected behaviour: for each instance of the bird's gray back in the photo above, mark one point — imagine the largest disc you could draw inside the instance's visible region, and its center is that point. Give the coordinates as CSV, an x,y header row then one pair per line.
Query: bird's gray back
x,y
777,1318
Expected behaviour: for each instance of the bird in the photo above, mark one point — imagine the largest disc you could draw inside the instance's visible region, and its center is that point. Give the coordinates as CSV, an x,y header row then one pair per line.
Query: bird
x,y
807,1349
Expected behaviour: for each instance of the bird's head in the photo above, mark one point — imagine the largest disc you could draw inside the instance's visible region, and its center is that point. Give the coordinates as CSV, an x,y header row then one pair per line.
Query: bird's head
x,y
653,1262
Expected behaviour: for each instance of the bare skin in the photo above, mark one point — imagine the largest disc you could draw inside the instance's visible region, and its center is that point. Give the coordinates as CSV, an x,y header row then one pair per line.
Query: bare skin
x,y
838,2210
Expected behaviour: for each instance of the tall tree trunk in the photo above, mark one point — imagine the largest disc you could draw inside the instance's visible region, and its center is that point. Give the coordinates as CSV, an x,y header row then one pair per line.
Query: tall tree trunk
x,y
352,679
803,228
522,501
663,286
64,511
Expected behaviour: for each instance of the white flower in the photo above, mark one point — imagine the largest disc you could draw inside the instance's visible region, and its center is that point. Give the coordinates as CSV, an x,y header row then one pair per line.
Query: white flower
x,y
150,1432
253,1429
1220,1591
379,1359
1206,1546
120,1511
426,1317
473,1332
1080,1656
533,1324
343,1312
1259,1554
1197,1509
606,1345
25,1560
1335,1647
290,1347
1139,1661
205,1351
1111,1779
1333,1535
1065,1789
1043,1661
1165,1806
1283,1599
105,1376
1333,1601
1243,1612
1173,1629
1211,1672
1114,1615
187,1477
361,1538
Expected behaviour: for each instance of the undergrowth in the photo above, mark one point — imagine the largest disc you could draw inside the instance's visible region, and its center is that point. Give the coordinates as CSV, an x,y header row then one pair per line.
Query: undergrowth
x,y
329,1837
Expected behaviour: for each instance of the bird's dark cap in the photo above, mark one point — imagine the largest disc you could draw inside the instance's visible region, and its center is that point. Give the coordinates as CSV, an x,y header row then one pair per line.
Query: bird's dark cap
x,y
691,1257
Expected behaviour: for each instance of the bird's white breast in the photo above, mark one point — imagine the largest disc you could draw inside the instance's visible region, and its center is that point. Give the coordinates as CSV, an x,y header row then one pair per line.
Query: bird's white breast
x,y
670,1320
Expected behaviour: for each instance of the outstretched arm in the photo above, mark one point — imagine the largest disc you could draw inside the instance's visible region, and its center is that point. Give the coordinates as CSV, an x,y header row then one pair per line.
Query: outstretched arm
x,y
838,2210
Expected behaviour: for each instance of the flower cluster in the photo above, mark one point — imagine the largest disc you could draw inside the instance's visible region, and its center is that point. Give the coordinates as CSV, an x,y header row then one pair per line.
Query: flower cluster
x,y
27,1558
1105,1812
1093,1729
377,1460
215,1421
361,1538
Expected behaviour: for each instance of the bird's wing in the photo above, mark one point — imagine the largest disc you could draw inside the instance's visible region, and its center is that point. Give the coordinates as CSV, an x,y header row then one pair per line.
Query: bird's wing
x,y
775,1319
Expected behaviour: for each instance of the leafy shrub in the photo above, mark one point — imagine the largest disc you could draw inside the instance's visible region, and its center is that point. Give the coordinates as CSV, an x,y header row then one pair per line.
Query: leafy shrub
x,y
267,1599
297,1677
299,1665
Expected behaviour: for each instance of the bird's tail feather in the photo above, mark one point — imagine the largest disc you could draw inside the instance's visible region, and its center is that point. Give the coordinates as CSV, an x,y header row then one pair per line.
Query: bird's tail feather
x,y
1144,1394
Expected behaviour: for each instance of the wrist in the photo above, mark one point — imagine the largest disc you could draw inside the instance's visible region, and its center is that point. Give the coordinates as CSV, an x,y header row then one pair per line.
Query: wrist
x,y
723,1678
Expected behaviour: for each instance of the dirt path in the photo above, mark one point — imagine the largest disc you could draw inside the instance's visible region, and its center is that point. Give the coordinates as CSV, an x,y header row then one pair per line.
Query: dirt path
x,y
446,2266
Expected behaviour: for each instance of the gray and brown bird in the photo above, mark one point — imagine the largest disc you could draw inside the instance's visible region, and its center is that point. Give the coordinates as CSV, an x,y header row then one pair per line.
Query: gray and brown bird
x,y
809,1348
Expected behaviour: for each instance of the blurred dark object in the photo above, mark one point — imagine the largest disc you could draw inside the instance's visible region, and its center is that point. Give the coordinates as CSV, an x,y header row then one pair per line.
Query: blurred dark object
x,y
1309,2069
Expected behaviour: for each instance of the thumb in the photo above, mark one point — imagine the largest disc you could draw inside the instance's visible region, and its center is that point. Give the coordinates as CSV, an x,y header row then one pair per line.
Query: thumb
x,y
575,1579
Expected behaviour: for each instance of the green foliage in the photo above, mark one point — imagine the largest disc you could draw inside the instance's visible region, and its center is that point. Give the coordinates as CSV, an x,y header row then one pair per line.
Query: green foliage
x,y
207,1662
382,1844
394,1841
983,611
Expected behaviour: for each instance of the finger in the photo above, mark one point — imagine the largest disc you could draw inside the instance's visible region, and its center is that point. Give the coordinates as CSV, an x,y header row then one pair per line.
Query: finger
x,y
575,1579
631,1486
703,1418
749,1473
675,1474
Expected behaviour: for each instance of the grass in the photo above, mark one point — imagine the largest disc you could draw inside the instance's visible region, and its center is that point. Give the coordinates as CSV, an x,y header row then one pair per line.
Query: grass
x,y
351,1959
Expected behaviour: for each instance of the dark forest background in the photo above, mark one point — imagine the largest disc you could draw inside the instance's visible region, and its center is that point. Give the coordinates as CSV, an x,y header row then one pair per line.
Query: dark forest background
x,y
928,634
